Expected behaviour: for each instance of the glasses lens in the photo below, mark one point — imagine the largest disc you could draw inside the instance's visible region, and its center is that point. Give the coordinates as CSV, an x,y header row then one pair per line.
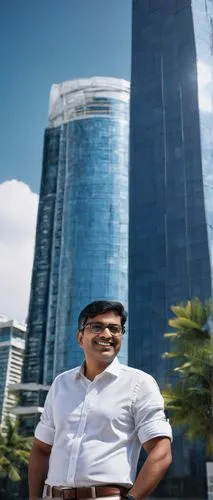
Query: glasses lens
x,y
115,329
96,328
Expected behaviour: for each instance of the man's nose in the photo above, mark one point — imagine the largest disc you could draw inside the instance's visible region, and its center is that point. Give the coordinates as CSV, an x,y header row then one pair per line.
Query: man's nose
x,y
106,332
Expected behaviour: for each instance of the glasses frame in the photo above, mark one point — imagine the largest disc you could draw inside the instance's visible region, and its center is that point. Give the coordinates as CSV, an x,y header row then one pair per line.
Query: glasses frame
x,y
103,327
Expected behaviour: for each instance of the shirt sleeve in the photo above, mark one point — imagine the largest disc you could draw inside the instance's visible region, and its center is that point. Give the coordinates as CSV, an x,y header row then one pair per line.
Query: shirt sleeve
x,y
45,429
148,409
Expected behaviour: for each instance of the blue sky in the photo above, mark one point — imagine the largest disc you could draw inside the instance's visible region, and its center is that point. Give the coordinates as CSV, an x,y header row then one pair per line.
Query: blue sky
x,y
45,42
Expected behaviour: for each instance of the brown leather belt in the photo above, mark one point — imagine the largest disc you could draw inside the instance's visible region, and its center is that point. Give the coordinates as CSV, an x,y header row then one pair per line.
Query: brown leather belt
x,y
90,492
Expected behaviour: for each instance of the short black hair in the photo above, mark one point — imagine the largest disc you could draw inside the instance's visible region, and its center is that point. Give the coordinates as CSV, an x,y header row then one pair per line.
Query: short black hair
x,y
101,307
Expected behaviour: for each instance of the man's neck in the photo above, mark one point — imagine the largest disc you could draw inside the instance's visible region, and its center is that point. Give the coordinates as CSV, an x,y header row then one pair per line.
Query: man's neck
x,y
91,369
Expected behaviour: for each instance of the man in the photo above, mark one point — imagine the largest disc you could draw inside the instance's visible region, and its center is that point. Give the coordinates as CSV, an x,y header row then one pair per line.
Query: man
x,y
95,419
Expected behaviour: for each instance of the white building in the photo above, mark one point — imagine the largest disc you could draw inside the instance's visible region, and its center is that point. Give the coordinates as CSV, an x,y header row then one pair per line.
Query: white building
x,y
12,345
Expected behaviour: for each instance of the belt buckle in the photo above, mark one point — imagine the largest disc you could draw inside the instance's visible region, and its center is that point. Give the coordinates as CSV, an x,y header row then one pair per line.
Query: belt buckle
x,y
62,490
65,489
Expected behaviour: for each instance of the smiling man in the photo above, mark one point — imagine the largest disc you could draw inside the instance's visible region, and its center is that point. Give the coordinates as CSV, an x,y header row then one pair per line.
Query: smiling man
x,y
96,418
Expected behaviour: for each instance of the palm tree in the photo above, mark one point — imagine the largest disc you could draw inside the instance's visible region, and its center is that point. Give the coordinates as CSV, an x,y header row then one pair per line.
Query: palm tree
x,y
189,398
14,456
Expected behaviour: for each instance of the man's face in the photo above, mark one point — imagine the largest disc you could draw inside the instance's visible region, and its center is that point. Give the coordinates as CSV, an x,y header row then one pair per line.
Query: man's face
x,y
100,344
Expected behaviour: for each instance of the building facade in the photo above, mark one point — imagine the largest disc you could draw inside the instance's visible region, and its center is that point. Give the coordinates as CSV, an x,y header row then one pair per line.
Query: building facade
x,y
81,251
171,188
12,345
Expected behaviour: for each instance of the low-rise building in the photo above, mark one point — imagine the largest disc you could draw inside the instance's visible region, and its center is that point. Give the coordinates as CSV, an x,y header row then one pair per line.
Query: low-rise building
x,y
12,346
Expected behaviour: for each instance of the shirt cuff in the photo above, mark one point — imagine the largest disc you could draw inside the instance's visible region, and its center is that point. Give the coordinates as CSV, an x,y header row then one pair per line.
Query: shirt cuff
x,y
155,429
44,433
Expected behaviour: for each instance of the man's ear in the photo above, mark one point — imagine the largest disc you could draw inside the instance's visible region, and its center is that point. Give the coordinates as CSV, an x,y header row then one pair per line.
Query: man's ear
x,y
80,337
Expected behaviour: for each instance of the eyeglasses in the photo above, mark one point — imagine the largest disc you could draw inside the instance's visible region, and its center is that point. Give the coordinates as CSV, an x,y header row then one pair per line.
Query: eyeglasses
x,y
98,328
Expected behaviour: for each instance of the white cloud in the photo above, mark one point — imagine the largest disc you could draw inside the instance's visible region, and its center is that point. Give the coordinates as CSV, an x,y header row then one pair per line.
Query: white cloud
x,y
18,212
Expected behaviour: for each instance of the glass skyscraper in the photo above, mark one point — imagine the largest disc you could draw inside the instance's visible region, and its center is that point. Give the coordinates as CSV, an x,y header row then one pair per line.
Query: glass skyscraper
x,y
171,187
81,251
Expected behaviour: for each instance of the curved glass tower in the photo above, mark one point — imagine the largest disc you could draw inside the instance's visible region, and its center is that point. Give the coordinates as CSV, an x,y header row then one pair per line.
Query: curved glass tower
x,y
81,249
171,189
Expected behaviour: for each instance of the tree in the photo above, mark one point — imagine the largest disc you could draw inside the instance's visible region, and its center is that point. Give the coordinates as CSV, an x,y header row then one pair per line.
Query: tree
x,y
14,457
189,398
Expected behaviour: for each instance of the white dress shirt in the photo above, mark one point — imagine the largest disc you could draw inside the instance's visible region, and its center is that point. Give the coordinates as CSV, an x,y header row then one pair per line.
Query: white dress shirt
x,y
97,427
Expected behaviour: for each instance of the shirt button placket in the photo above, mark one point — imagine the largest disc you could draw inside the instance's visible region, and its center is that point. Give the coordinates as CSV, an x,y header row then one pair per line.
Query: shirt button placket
x,y
77,440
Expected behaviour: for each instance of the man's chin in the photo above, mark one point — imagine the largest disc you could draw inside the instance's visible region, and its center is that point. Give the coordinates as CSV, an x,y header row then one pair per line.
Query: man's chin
x,y
100,349
105,355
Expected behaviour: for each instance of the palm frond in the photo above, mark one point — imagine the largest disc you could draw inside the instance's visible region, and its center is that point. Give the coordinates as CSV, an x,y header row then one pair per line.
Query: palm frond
x,y
181,311
189,399
14,474
14,452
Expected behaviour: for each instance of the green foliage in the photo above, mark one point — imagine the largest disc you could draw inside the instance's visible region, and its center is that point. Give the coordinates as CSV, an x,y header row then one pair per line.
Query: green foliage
x,y
189,398
14,456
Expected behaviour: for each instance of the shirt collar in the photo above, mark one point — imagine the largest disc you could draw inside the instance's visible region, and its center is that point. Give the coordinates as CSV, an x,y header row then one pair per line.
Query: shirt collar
x,y
113,369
